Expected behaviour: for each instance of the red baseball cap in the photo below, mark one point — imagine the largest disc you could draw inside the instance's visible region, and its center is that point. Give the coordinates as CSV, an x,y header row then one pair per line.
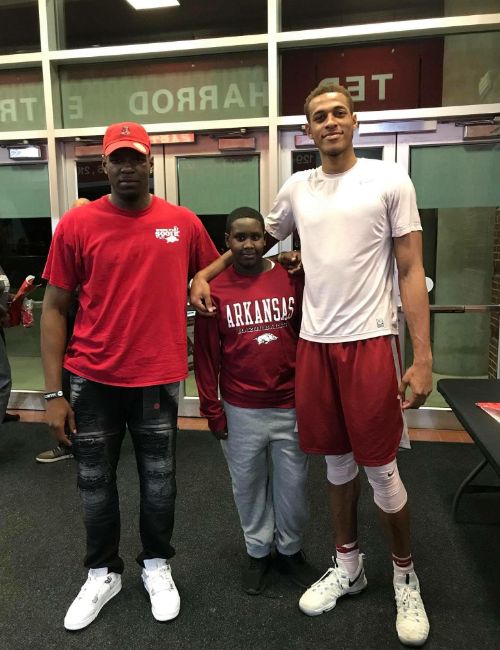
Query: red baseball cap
x,y
128,135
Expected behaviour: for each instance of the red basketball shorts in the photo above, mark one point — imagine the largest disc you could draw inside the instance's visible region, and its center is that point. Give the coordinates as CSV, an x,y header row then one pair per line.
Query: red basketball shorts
x,y
347,399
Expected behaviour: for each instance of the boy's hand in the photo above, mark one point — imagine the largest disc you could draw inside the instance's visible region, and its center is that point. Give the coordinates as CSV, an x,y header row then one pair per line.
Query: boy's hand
x,y
220,435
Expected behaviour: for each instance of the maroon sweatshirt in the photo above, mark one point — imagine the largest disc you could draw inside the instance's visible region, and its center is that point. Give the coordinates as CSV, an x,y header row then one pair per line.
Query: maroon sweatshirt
x,y
248,350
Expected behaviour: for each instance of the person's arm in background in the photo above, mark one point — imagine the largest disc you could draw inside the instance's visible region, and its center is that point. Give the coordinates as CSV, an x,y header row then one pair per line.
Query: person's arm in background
x,y
4,297
415,301
53,329
207,362
5,374
77,203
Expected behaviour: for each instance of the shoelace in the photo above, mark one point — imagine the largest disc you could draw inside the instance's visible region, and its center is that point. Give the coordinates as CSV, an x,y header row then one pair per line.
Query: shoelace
x,y
410,602
91,582
161,580
329,580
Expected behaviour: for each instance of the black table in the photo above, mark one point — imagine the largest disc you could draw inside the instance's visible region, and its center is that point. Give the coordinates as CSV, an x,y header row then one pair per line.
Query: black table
x,y
462,395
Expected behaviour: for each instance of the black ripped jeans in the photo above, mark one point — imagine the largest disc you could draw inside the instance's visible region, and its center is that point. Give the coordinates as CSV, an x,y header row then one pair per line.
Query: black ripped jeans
x,y
103,413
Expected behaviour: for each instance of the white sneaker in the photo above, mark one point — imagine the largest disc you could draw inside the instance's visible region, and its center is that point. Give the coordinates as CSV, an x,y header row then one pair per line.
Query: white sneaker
x,y
412,624
322,596
94,594
165,600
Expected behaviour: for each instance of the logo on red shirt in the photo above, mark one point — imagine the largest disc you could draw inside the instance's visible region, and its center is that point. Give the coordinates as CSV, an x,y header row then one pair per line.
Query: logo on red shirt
x,y
265,339
168,235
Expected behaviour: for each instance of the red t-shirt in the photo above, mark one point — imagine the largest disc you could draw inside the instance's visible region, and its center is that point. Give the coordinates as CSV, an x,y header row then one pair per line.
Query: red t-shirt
x,y
132,268
249,349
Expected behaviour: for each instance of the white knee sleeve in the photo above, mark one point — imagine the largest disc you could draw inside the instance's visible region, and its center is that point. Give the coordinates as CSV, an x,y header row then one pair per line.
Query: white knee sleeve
x,y
388,490
341,469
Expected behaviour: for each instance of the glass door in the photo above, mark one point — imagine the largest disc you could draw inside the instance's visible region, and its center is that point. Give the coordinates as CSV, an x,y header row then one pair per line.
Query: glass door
x,y
25,234
212,183
458,197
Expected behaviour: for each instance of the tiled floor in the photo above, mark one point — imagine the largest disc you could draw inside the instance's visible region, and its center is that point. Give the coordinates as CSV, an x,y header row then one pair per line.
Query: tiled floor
x,y
200,424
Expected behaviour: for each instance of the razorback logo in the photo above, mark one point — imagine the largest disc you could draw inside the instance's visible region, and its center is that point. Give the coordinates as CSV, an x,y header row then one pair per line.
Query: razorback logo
x,y
265,339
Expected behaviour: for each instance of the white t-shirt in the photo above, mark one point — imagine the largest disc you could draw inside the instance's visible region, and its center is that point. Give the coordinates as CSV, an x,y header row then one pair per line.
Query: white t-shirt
x,y
346,223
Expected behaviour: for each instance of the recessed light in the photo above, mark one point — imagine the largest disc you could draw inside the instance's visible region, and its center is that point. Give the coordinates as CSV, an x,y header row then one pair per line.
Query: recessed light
x,y
153,4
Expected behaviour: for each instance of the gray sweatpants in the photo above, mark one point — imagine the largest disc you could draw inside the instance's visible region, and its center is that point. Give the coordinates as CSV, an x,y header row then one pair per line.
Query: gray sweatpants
x,y
268,472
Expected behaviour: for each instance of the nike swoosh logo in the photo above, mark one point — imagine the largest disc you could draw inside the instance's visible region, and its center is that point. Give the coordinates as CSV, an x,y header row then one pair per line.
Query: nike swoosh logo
x,y
353,582
391,473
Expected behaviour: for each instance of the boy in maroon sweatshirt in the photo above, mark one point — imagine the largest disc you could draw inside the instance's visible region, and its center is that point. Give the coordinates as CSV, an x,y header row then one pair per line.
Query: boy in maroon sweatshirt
x,y
248,352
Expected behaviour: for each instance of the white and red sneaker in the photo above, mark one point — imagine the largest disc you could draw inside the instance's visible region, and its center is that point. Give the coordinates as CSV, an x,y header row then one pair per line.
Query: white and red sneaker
x,y
322,596
412,624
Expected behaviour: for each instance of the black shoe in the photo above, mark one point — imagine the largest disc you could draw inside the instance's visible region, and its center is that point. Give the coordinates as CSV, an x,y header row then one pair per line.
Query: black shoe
x,y
255,573
297,568
11,417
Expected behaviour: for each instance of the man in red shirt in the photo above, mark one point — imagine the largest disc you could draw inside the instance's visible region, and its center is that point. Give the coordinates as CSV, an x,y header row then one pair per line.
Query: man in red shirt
x,y
248,351
131,254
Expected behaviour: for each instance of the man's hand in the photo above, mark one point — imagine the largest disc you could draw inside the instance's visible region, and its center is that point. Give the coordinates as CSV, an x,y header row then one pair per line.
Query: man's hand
x,y
59,412
419,378
77,203
291,261
220,435
199,296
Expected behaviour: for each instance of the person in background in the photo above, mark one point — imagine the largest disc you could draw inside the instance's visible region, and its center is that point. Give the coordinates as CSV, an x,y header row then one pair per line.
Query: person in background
x,y
356,219
248,352
5,372
131,255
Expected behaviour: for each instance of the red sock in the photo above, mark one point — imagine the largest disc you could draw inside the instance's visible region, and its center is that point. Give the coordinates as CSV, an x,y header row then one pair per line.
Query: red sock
x,y
402,565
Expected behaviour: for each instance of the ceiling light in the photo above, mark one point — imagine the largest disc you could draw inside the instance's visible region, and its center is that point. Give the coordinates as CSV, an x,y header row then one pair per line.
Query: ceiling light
x,y
153,4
